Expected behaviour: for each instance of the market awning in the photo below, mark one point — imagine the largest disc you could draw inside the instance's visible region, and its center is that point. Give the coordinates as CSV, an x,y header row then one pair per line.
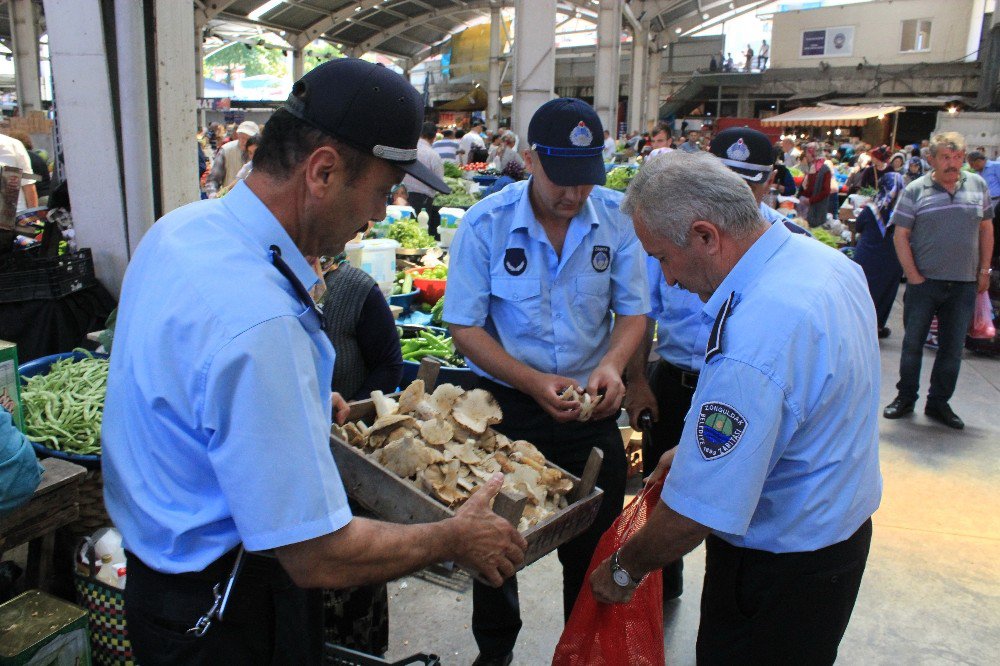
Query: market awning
x,y
474,100
831,116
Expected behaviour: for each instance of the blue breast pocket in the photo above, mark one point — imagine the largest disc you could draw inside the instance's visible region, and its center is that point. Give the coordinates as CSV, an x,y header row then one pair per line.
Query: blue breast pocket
x,y
592,300
517,304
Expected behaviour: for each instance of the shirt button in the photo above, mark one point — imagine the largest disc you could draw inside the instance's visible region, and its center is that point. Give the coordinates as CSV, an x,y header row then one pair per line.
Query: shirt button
x,y
558,315
561,348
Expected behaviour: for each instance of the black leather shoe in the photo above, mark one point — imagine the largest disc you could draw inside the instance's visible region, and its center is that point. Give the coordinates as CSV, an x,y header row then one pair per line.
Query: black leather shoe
x,y
941,411
494,661
884,332
898,408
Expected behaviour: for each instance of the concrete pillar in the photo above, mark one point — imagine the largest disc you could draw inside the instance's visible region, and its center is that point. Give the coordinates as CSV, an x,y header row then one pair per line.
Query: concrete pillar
x,y
493,85
744,106
653,84
87,131
175,108
298,63
637,80
534,60
199,60
133,101
606,73
24,30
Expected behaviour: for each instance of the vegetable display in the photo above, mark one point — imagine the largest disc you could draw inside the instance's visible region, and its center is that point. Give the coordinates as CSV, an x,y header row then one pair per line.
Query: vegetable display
x,y
403,284
454,200
456,184
436,313
825,237
63,409
428,344
409,234
439,272
619,178
476,166
452,170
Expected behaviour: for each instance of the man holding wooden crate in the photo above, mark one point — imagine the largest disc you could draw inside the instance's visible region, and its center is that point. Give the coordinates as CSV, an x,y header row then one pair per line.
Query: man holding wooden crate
x,y
217,421
539,271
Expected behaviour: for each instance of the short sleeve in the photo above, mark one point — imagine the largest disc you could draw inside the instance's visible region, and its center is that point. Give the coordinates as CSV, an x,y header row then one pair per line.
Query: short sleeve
x,y
730,437
987,203
23,159
270,424
467,294
629,276
654,275
905,211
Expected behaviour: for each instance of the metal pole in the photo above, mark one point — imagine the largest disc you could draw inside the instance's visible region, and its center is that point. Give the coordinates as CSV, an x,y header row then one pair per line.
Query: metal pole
x,y
895,126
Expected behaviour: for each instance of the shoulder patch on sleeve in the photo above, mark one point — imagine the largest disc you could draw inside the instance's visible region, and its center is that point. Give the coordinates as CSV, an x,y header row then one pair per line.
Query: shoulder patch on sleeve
x,y
720,429
714,347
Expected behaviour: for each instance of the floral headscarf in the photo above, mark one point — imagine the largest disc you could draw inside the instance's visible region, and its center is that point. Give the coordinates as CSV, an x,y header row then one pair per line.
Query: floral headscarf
x,y
889,187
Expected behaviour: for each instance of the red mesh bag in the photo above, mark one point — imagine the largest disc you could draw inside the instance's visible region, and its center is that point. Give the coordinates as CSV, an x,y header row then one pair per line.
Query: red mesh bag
x,y
610,634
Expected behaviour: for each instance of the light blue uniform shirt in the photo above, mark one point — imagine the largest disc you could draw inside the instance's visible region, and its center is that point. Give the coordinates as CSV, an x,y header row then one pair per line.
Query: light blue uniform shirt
x,y
552,313
217,417
682,331
991,174
780,447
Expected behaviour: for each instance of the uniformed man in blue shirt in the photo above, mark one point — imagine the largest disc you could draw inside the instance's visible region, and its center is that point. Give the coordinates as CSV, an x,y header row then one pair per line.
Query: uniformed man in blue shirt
x,y
538,270
683,332
217,419
778,462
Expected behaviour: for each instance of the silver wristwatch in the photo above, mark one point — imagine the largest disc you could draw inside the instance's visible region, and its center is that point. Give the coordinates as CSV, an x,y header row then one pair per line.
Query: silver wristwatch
x,y
621,577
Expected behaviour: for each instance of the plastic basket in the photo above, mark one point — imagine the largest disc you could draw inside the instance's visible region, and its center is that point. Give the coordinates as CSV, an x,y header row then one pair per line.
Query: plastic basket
x,y
105,605
404,301
28,279
463,377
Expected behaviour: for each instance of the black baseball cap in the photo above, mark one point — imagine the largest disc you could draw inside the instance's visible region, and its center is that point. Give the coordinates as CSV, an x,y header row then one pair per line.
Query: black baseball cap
x,y
746,151
568,137
368,107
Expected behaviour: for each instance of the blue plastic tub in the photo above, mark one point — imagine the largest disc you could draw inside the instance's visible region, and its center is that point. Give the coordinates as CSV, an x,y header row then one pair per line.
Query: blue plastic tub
x,y
404,301
40,366
458,376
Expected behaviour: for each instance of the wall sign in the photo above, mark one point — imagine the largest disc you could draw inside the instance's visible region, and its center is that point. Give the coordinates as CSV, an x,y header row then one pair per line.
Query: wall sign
x,y
828,42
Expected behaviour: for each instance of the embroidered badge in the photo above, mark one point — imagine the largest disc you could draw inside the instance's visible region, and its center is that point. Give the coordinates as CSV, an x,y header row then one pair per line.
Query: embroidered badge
x,y
600,258
581,136
515,261
720,428
738,151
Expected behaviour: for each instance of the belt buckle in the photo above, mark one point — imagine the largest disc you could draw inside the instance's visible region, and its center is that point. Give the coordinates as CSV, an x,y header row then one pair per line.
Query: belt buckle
x,y
689,380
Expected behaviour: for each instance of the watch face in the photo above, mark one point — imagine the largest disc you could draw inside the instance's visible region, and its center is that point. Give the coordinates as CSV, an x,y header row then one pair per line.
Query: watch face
x,y
622,579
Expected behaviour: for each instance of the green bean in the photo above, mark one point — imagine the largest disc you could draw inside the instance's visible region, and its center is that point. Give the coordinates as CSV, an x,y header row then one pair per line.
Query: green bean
x,y
64,408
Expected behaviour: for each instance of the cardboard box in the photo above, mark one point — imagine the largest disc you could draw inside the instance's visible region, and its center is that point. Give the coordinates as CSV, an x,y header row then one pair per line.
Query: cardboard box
x,y
10,383
35,627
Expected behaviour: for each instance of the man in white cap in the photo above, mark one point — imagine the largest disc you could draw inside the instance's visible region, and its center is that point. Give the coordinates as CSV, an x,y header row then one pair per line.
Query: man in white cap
x,y
232,156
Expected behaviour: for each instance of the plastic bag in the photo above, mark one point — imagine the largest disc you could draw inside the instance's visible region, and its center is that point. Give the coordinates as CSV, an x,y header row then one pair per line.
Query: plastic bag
x,y
982,319
611,634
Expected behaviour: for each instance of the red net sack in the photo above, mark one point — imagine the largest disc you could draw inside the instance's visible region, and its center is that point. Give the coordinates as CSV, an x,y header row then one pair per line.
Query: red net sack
x,y
628,634
982,319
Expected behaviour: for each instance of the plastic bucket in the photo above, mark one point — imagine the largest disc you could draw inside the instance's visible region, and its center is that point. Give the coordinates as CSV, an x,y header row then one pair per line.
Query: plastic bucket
x,y
450,217
447,235
354,252
398,212
378,259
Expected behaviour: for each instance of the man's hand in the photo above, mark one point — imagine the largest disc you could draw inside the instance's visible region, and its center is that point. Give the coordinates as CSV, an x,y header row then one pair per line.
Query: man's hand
x,y
341,410
605,590
662,467
984,283
483,540
915,278
638,398
607,380
546,389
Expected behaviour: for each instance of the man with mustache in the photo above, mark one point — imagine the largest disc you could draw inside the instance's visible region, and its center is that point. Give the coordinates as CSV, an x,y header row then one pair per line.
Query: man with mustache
x,y
944,240
538,269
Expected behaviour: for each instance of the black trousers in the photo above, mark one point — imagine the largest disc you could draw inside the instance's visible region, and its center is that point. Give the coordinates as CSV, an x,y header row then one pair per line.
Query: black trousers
x,y
673,388
779,608
268,619
496,616
418,201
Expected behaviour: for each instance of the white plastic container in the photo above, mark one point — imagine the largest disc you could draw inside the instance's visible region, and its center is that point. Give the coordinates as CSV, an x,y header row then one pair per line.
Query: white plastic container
x,y
398,212
378,259
450,217
354,251
447,235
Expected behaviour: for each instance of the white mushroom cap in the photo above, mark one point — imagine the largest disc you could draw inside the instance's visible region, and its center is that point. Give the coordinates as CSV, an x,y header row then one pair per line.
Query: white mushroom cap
x,y
477,410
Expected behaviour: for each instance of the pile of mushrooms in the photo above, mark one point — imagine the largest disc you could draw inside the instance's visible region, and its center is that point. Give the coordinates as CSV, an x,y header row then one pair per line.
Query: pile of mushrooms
x,y
442,442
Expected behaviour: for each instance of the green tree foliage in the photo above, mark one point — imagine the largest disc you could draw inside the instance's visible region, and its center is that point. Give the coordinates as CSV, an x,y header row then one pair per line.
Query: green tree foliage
x,y
316,54
255,60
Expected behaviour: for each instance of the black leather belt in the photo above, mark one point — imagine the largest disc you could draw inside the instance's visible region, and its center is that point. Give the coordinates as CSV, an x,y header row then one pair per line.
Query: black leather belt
x,y
685,378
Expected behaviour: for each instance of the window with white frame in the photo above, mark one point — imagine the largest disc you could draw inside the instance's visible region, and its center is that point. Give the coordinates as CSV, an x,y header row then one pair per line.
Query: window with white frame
x,y
916,35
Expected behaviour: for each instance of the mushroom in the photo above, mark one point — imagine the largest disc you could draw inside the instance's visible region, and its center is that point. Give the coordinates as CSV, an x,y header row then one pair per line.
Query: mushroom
x,y
477,410
385,426
436,432
407,456
444,397
384,405
463,452
411,396
353,435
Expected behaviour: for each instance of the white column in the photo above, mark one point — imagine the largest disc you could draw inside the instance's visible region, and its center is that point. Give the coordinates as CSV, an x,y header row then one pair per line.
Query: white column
x,y
24,30
199,59
637,80
606,82
493,87
133,102
534,60
298,64
175,108
87,130
653,85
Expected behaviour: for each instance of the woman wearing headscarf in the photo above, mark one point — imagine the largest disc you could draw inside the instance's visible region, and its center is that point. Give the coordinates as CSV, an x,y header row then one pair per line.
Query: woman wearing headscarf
x,y
816,186
875,252
914,169
872,174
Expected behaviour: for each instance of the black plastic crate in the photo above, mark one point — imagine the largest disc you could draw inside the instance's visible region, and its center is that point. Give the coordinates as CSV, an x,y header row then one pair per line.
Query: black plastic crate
x,y
335,655
30,279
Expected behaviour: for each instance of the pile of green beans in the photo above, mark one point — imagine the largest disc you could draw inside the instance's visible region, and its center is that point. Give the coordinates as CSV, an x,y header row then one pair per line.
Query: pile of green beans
x,y
63,408
428,344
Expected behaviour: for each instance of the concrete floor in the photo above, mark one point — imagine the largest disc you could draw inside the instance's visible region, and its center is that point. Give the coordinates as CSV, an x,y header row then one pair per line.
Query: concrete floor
x,y
931,592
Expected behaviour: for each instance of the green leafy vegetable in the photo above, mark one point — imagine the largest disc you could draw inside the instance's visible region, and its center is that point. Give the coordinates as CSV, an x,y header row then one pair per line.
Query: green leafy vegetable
x,y
825,237
454,200
408,233
619,178
452,170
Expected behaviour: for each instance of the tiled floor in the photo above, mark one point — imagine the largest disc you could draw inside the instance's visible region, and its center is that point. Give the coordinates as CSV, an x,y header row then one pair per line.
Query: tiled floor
x,y
931,593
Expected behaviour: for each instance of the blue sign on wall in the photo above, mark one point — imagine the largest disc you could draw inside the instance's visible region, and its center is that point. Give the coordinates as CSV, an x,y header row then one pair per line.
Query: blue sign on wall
x,y
813,42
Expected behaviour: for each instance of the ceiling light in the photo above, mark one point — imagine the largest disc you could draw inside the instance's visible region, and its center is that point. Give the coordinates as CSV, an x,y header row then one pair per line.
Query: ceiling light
x,y
704,16
678,30
952,110
263,9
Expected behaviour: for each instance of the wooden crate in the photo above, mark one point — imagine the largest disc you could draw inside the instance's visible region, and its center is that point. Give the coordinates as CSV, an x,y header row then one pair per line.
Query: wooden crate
x,y
398,500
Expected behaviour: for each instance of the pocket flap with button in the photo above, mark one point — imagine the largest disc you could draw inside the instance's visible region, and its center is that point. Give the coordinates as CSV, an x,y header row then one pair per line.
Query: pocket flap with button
x,y
515,289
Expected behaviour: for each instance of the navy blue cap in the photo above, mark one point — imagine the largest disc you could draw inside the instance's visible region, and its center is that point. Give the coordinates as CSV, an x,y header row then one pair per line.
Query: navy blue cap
x,y
569,139
368,107
746,151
